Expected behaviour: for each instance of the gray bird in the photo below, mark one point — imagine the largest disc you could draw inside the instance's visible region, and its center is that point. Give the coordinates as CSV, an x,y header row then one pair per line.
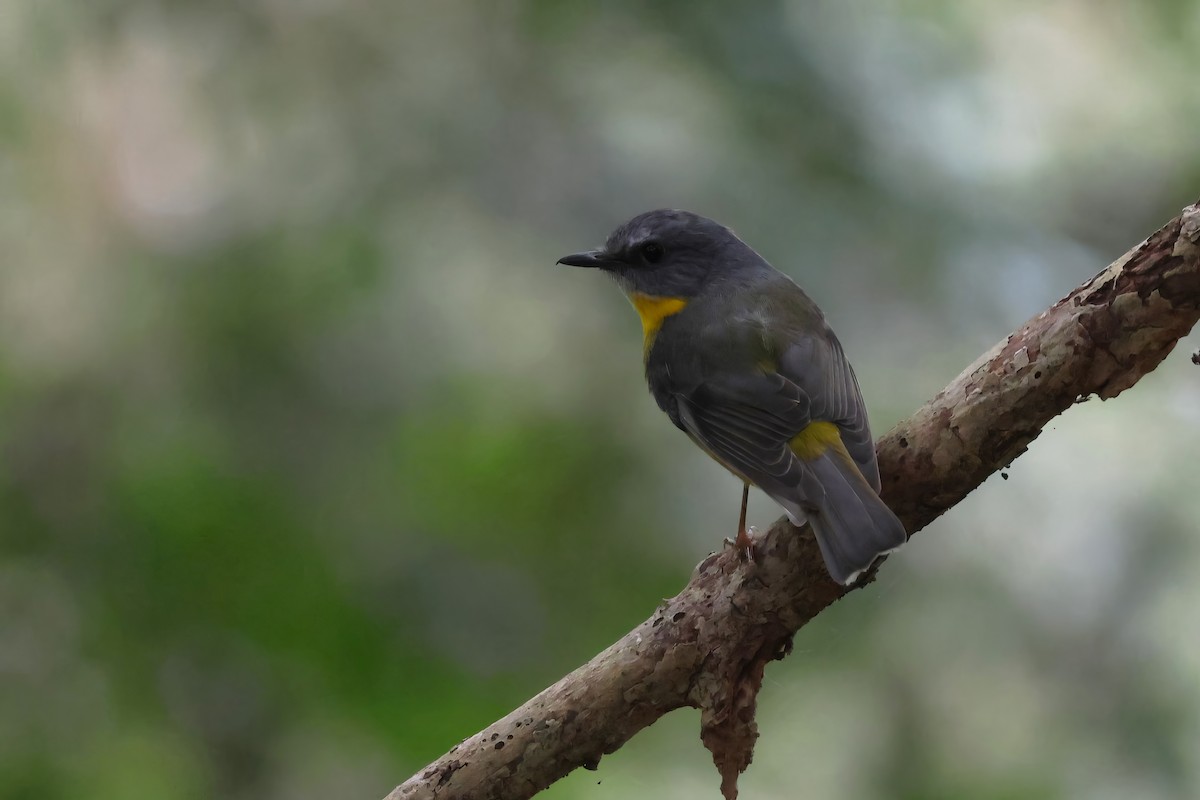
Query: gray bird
x,y
743,362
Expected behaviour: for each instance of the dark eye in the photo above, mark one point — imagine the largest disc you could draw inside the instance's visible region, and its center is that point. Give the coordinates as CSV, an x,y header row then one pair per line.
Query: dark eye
x,y
652,252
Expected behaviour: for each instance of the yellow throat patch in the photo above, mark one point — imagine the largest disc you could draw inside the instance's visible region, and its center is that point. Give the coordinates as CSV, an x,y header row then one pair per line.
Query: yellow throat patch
x,y
653,310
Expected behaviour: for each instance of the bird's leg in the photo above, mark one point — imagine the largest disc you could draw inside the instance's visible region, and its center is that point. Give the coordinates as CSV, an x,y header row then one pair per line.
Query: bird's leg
x,y
743,543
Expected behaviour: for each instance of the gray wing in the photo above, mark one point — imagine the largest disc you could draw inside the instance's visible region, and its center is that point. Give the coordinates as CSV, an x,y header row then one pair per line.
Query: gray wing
x,y
746,422
753,375
818,367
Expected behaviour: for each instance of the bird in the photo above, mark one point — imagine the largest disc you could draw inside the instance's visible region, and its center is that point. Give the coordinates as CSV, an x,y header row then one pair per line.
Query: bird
x,y
742,360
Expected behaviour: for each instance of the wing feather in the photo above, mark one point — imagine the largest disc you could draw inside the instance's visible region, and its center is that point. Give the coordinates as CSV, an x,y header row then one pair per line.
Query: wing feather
x,y
818,366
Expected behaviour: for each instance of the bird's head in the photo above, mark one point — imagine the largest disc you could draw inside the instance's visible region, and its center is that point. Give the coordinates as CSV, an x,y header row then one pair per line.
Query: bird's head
x,y
666,253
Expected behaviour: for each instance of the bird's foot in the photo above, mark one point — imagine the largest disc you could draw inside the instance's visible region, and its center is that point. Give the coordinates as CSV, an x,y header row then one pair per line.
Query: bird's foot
x,y
744,544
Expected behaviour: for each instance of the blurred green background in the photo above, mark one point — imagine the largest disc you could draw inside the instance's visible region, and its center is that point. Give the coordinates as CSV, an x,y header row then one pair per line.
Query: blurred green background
x,y
312,463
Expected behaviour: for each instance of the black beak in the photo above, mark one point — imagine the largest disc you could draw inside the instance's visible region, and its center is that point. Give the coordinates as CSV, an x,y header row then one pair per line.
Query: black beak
x,y
592,258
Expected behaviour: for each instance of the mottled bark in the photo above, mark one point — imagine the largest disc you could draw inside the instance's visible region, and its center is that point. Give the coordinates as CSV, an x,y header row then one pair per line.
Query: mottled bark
x,y
707,646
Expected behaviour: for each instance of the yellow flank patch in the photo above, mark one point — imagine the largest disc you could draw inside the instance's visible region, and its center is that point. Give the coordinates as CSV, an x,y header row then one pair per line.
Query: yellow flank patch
x,y
813,441
653,310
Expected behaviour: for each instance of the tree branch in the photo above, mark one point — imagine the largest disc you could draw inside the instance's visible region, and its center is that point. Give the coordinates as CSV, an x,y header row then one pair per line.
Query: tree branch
x,y
707,646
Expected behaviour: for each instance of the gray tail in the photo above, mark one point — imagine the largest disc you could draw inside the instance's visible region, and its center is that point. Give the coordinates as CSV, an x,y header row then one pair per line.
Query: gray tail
x,y
853,525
